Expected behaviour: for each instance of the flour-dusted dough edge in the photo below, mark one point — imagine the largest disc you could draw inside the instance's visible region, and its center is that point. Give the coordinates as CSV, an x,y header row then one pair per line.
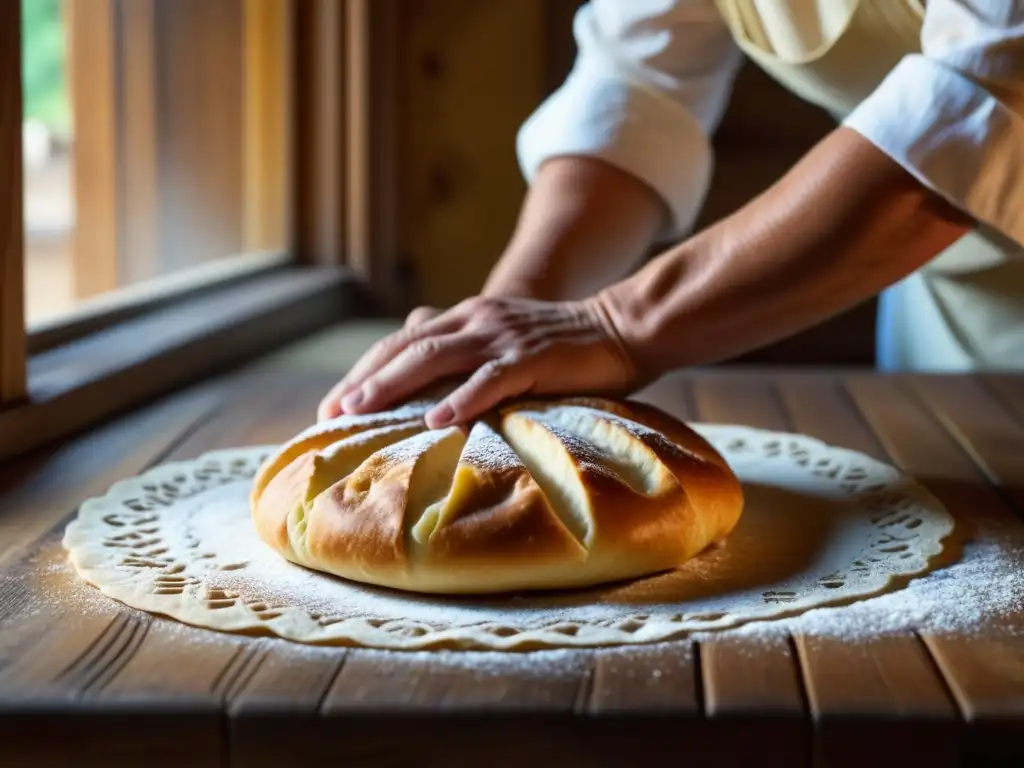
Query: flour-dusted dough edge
x,y
84,536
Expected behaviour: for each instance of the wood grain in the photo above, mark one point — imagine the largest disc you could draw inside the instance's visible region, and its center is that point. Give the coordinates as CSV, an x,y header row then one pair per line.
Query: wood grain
x,y
40,491
662,680
173,667
763,677
375,170
12,246
755,703
281,697
983,426
674,394
94,86
421,682
209,698
267,93
846,689
987,682
893,678
462,185
126,366
1008,389
739,400
138,135
318,131
878,702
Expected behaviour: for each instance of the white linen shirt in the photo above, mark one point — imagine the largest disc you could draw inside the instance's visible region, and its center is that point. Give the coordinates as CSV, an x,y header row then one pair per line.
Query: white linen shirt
x,y
652,79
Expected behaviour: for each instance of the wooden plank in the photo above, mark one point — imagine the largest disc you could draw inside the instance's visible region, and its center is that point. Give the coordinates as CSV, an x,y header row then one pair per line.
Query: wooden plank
x,y
52,650
462,187
756,691
318,132
821,407
987,676
1009,388
644,701
138,217
45,644
751,676
878,702
38,492
267,93
645,681
93,71
12,245
178,663
844,717
453,707
282,697
372,681
983,425
893,676
374,172
291,681
127,366
730,399
174,667
672,393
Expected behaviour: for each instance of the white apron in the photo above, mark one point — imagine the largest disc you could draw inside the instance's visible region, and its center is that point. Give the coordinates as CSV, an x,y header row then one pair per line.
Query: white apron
x,y
964,310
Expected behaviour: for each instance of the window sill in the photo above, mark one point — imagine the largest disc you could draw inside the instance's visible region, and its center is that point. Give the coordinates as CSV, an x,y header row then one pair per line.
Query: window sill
x,y
125,364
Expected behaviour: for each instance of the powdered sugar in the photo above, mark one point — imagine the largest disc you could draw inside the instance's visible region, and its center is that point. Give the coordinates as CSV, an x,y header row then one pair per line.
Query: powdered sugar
x,y
815,531
488,450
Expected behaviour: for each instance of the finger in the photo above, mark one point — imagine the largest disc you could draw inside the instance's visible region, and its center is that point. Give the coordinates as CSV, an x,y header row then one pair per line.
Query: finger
x,y
421,315
421,363
493,382
385,350
330,406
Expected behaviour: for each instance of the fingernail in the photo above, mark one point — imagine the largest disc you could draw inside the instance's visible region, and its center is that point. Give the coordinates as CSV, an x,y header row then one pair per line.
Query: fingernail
x,y
352,401
442,415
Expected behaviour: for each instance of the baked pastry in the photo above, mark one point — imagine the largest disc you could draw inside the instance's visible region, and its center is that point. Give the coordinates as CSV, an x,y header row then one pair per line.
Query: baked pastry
x,y
541,494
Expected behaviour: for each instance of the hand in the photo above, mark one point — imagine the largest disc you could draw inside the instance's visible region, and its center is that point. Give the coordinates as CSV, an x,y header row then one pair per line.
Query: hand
x,y
506,346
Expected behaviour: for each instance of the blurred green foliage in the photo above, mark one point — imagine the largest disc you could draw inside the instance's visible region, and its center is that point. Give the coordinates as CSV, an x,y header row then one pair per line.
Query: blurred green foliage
x,y
43,66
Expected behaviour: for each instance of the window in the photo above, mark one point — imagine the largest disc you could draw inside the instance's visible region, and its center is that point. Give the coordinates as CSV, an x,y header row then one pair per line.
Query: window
x,y
154,141
184,184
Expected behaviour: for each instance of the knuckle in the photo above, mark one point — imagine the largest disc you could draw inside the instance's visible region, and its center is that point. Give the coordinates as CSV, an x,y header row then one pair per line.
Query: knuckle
x,y
425,347
484,307
420,313
491,370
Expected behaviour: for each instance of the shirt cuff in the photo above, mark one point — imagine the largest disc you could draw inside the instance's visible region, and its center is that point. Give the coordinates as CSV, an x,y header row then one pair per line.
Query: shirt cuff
x,y
954,136
631,127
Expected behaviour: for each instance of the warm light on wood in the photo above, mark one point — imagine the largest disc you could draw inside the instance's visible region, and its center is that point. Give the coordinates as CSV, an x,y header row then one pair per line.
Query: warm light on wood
x,y
12,236
267,97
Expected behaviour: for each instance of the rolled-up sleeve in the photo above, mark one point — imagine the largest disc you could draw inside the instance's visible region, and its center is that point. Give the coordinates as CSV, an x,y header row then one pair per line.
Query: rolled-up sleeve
x,y
648,87
953,115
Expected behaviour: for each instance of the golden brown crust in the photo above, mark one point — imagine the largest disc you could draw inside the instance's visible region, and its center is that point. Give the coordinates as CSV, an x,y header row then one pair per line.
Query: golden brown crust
x,y
550,494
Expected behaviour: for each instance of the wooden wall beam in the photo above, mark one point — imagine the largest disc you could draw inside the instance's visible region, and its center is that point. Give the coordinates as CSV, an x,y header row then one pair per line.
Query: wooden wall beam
x,y
267,93
318,131
12,230
375,147
139,197
92,48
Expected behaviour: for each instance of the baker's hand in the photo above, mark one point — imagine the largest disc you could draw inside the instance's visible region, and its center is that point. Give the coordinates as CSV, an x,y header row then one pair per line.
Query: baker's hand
x,y
505,346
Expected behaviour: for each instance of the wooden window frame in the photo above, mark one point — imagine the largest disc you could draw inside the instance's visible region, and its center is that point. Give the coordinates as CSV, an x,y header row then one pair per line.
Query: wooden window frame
x,y
122,349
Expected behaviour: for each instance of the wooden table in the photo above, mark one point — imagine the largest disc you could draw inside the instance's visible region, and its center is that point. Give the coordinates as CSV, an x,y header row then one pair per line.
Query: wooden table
x,y
86,686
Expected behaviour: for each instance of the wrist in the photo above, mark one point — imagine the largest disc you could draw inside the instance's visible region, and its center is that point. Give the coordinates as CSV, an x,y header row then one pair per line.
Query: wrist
x,y
619,310
525,273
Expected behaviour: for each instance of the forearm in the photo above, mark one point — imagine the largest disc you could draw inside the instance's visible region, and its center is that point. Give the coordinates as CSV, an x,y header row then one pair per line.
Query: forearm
x,y
843,224
583,226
